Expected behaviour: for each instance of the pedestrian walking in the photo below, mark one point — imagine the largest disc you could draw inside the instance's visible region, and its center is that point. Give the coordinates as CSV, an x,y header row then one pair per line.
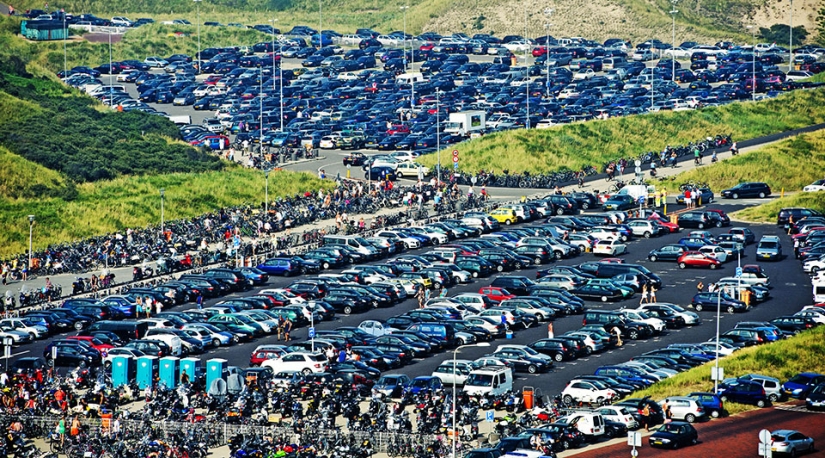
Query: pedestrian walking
x,y
652,294
700,287
646,417
668,413
644,294
420,296
550,333
200,301
281,323
287,329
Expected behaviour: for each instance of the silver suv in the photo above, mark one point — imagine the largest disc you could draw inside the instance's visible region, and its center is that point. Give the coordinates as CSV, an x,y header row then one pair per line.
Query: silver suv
x,y
685,408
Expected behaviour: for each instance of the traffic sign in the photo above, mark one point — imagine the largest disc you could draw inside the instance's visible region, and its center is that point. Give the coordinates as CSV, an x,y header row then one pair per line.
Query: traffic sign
x,y
641,199
455,159
311,333
765,436
634,439
738,272
490,416
455,153
638,170
637,163
455,165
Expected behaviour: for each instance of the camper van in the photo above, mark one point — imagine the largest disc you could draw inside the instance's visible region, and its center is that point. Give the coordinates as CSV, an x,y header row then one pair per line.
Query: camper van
x,y
410,78
492,381
819,291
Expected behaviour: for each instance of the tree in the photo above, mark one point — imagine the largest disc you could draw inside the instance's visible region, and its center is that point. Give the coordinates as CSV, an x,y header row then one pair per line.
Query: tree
x,y
779,34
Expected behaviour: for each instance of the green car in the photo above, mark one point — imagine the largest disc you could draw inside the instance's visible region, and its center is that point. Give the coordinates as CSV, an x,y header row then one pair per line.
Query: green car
x,y
626,290
351,141
244,322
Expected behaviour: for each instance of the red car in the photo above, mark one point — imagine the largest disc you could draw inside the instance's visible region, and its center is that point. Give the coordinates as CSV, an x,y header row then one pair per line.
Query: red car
x,y
539,51
612,260
103,348
672,227
428,46
262,354
398,129
697,259
496,293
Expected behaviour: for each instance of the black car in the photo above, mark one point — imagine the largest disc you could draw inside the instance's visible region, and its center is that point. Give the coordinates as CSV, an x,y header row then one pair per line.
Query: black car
x,y
558,349
28,365
702,301
636,405
667,253
793,323
598,293
674,435
749,189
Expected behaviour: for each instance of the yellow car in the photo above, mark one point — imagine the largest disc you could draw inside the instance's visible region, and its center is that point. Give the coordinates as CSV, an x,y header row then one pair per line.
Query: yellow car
x,y
504,216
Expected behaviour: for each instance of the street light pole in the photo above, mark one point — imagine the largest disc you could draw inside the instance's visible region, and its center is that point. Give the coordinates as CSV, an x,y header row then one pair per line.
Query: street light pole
x,y
753,63
111,83
412,59
320,36
790,40
673,12
273,21
718,319
281,80
455,392
547,12
31,231
261,109
198,56
65,36
162,191
266,195
438,131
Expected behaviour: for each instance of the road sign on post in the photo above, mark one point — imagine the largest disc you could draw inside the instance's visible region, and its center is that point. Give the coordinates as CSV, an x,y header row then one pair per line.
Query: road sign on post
x,y
490,416
311,333
738,272
765,443
455,153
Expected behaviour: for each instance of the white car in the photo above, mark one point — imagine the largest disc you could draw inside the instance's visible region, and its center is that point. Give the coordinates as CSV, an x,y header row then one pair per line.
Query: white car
x,y
282,295
409,242
584,74
605,234
128,352
715,252
691,318
618,414
120,21
818,185
488,323
677,53
33,330
409,286
586,392
817,316
640,315
813,266
404,156
329,141
643,55
411,169
347,76
610,247
17,337
304,362
375,328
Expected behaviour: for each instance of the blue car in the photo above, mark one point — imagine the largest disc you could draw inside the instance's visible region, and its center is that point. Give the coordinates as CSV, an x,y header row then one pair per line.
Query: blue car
x,y
712,403
391,385
693,243
380,173
425,384
626,373
801,384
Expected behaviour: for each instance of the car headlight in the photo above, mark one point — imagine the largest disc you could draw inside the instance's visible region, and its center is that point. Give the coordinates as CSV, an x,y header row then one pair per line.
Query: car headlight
x,y
665,441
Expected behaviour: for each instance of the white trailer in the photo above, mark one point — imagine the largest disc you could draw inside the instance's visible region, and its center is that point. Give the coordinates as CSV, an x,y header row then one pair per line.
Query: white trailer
x,y
469,123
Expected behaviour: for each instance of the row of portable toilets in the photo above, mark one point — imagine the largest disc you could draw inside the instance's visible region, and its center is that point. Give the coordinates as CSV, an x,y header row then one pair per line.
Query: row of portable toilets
x,y
168,370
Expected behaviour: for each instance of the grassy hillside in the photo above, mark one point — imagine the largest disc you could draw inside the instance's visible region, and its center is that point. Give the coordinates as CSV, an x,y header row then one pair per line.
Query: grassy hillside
x,y
635,19
595,143
790,164
783,359
21,179
47,123
114,205
766,213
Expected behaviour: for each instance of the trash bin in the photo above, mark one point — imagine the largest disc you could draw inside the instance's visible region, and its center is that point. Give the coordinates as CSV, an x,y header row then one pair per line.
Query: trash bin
x,y
294,156
527,395
509,334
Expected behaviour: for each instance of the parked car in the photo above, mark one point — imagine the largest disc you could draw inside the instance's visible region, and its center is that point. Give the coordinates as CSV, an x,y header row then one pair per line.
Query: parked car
x,y
674,435
749,189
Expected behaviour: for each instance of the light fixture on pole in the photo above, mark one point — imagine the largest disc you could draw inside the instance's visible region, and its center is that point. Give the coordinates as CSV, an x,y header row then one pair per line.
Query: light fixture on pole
x,y
273,21
527,86
162,193
790,40
198,55
673,12
266,195
455,392
438,131
281,80
412,81
547,12
753,63
31,232
261,108
111,72
320,35
718,319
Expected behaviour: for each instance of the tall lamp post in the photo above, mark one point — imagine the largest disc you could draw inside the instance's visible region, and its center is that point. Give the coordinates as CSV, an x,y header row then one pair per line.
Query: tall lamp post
x,y
753,63
266,195
412,83
111,73
162,193
673,12
547,12
790,40
455,392
273,21
718,319
198,56
438,131
31,231
65,36
261,109
320,35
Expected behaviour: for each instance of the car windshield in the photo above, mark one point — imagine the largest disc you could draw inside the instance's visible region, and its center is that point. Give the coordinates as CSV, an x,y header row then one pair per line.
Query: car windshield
x,y
479,380
671,428
800,379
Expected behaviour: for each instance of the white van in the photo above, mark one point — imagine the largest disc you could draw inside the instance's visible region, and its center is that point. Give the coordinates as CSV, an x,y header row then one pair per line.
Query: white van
x,y
489,381
357,243
819,291
591,424
410,78
174,342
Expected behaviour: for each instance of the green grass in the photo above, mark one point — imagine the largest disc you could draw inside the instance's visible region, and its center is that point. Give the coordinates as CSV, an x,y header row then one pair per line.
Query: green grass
x,y
783,359
22,179
779,164
108,206
767,213
574,146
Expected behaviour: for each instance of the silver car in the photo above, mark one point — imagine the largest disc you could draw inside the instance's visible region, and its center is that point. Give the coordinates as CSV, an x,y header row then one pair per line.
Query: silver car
x,y
790,442
685,408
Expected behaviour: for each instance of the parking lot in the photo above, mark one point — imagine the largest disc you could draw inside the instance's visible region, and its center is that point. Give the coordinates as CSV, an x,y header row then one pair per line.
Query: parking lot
x,y
790,292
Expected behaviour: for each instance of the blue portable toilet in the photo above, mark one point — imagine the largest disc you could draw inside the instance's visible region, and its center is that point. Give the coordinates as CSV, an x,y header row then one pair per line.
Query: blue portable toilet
x,y
123,368
215,369
191,366
147,367
168,371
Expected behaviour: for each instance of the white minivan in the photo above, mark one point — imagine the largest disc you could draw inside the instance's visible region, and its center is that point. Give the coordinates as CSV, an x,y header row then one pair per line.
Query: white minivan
x,y
490,381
